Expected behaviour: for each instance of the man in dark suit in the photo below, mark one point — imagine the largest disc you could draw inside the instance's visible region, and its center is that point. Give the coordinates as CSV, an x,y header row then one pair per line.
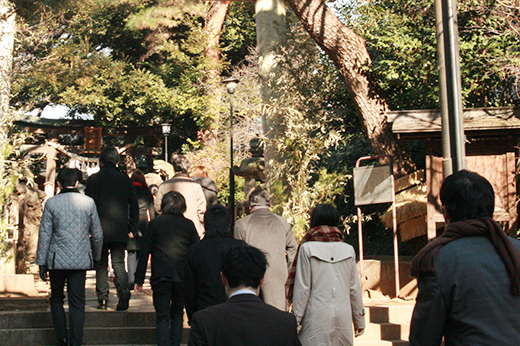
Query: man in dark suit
x,y
116,202
244,319
469,277
203,285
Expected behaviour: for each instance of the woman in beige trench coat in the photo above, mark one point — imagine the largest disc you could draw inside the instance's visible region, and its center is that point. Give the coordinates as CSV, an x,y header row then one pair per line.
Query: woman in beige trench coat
x,y
324,284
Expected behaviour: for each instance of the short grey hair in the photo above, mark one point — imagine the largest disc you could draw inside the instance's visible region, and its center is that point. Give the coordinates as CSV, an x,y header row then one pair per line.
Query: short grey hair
x,y
259,197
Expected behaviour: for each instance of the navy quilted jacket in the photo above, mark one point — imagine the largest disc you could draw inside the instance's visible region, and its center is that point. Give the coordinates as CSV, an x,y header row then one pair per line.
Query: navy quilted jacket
x,y
70,234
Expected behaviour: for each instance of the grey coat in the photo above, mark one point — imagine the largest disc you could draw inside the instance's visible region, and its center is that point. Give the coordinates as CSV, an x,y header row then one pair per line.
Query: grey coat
x,y
467,300
272,234
70,234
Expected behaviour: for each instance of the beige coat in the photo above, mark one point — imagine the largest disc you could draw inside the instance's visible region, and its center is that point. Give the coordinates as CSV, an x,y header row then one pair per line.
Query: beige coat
x,y
327,296
192,193
272,234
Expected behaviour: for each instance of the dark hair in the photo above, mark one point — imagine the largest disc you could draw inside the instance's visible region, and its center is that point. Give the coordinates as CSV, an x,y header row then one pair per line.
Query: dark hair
x,y
138,177
243,265
173,203
259,197
217,220
109,155
324,215
67,177
181,164
79,174
467,195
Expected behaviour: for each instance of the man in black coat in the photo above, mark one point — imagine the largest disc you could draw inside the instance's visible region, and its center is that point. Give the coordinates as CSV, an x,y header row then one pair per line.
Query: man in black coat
x,y
244,319
116,203
203,285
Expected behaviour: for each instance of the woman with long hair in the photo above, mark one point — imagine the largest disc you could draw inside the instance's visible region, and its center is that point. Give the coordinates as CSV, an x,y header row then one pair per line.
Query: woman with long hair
x,y
146,214
328,302
201,176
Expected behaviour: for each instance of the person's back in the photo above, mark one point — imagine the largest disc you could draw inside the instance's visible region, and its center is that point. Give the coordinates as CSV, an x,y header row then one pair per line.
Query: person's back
x,y
244,319
476,286
272,234
203,285
469,277
116,202
200,175
189,188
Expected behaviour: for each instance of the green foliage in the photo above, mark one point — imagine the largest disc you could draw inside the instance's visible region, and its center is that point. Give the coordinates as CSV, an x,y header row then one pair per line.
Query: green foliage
x,y
312,119
401,40
13,167
125,62
239,32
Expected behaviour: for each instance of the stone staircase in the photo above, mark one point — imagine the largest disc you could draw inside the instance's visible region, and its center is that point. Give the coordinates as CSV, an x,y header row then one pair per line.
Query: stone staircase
x,y
387,323
101,328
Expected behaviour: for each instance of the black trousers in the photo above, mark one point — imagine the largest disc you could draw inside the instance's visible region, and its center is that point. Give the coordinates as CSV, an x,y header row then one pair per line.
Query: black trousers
x,y
76,294
168,301
117,255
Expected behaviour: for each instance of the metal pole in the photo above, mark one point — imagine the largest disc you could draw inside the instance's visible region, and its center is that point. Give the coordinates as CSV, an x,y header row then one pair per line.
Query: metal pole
x,y
453,83
446,153
360,237
166,147
396,243
231,175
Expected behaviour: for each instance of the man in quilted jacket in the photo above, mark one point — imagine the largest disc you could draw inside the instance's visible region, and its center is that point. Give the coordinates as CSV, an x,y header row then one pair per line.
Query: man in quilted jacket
x,y
70,241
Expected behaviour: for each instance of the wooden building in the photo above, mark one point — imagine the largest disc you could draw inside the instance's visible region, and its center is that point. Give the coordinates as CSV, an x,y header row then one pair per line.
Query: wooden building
x,y
81,141
492,140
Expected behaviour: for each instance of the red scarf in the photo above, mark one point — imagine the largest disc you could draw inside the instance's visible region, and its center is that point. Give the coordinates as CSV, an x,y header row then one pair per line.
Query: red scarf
x,y
319,233
485,227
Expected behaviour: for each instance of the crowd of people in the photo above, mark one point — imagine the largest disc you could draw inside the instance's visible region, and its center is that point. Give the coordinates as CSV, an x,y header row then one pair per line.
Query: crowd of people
x,y
254,284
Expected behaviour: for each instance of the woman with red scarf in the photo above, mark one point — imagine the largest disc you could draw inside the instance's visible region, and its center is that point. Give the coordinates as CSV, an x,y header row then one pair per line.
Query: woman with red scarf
x,y
323,284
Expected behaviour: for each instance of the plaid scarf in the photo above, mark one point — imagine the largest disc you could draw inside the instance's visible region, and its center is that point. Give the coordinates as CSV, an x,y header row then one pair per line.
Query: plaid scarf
x,y
319,233
485,227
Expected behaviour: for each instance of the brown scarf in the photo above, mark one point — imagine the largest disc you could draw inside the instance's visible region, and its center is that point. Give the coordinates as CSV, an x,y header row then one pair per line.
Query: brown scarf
x,y
319,233
485,227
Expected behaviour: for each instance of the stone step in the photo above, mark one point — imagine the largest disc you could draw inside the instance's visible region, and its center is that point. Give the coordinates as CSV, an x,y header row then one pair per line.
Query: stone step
x,y
91,336
385,331
380,343
43,319
398,312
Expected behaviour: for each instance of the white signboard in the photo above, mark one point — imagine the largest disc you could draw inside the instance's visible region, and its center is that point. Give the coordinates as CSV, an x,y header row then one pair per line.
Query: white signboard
x,y
373,185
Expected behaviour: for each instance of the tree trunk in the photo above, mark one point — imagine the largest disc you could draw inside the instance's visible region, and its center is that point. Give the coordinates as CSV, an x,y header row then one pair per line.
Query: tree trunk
x,y
214,26
7,31
349,53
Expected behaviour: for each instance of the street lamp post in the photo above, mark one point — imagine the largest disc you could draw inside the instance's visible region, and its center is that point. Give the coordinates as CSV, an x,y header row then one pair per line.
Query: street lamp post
x,y
166,129
231,84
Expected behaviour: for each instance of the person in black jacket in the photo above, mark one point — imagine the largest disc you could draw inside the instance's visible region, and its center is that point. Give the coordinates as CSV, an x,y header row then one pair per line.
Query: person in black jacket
x,y
118,211
244,319
203,285
146,214
167,239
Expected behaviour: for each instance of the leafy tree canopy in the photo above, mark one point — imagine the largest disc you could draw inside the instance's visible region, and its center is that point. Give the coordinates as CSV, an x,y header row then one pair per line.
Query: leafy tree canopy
x,y
401,41
124,62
